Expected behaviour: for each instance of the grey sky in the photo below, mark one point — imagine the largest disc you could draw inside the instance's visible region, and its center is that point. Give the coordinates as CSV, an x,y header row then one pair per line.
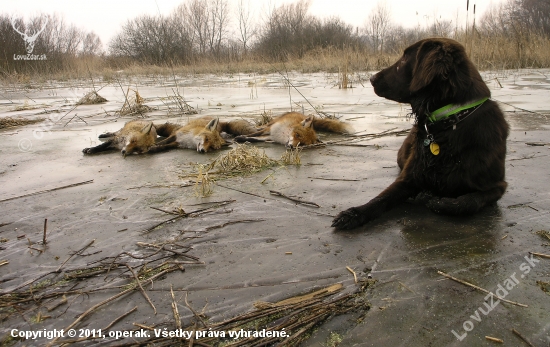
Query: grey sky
x,y
105,17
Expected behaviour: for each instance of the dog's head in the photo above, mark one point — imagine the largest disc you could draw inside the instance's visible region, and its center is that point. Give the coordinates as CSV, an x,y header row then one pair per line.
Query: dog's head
x,y
436,70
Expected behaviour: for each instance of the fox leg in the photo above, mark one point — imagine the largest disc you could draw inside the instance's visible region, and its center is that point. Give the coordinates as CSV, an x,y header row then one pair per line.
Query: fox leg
x,y
468,203
167,140
99,148
254,137
245,138
162,147
354,217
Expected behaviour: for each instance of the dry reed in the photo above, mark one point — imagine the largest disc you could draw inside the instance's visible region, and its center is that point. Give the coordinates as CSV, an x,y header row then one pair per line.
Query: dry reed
x,y
91,98
9,122
133,105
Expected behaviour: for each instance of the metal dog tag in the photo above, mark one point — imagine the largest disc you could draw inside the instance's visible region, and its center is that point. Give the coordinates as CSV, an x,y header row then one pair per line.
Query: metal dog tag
x,y
434,148
428,140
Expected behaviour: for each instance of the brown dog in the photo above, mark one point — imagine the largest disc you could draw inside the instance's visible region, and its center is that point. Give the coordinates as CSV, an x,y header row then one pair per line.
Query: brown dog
x,y
454,154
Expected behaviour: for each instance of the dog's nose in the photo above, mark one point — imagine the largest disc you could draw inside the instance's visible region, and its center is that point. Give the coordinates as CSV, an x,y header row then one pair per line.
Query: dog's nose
x,y
202,150
373,78
123,152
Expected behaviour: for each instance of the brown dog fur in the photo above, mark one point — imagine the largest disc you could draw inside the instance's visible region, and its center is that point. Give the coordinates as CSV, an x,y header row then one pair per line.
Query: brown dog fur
x,y
468,174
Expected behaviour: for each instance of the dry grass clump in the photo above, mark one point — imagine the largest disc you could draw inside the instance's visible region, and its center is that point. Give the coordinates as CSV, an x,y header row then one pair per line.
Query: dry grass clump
x,y
265,117
544,234
243,160
134,105
181,106
92,98
9,122
291,157
545,286
203,182
26,106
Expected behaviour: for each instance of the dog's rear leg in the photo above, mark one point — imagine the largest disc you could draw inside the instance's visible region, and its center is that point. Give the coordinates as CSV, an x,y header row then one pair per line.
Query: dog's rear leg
x,y
468,203
354,217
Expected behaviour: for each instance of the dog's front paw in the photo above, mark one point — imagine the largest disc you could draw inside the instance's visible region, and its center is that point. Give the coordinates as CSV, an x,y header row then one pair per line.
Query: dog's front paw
x,y
87,151
424,197
442,205
348,219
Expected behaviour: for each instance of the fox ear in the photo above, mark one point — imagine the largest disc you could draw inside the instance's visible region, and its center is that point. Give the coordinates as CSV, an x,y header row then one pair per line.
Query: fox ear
x,y
308,122
213,124
434,60
147,129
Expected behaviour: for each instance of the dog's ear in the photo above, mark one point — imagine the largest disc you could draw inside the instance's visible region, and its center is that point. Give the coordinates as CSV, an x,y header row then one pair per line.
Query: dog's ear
x,y
436,61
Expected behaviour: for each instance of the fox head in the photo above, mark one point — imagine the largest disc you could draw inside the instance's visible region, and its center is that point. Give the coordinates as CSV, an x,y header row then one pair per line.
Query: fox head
x,y
303,134
139,141
209,138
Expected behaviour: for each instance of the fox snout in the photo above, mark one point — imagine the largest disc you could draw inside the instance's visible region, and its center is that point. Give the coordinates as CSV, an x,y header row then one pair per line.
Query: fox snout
x,y
290,144
200,147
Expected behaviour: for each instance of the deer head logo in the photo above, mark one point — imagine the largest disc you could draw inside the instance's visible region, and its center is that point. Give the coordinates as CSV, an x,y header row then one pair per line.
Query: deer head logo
x,y
29,40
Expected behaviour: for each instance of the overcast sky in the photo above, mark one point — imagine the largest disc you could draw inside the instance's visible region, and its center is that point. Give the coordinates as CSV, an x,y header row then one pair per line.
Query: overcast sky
x,y
105,17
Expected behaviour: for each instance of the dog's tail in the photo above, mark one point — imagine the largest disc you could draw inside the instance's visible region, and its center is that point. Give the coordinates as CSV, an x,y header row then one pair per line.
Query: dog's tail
x,y
332,125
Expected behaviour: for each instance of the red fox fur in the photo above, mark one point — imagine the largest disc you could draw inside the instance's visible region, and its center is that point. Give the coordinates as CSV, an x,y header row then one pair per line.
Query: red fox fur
x,y
293,129
135,137
202,134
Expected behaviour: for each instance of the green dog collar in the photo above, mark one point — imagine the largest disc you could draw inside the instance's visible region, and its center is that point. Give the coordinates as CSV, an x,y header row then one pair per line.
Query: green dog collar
x,y
452,109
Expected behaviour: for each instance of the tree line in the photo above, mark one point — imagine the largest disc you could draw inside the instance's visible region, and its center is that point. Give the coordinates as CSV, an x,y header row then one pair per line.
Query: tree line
x,y
210,29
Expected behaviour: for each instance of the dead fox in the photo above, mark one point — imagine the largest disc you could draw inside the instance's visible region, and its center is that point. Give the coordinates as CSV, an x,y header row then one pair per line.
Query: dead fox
x,y
202,134
135,137
293,129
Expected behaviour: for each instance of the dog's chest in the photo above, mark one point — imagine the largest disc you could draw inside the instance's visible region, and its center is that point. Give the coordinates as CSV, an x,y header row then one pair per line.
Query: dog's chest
x,y
435,160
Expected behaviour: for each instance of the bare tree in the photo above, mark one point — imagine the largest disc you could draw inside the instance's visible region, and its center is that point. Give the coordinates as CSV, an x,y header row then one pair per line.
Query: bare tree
x,y
208,21
377,26
91,44
217,24
284,30
197,19
247,31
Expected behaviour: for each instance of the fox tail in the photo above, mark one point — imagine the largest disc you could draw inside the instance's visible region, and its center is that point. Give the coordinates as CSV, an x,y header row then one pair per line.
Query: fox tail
x,y
332,125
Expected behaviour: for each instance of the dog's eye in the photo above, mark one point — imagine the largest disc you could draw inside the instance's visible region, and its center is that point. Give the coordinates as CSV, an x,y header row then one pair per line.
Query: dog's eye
x,y
401,63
